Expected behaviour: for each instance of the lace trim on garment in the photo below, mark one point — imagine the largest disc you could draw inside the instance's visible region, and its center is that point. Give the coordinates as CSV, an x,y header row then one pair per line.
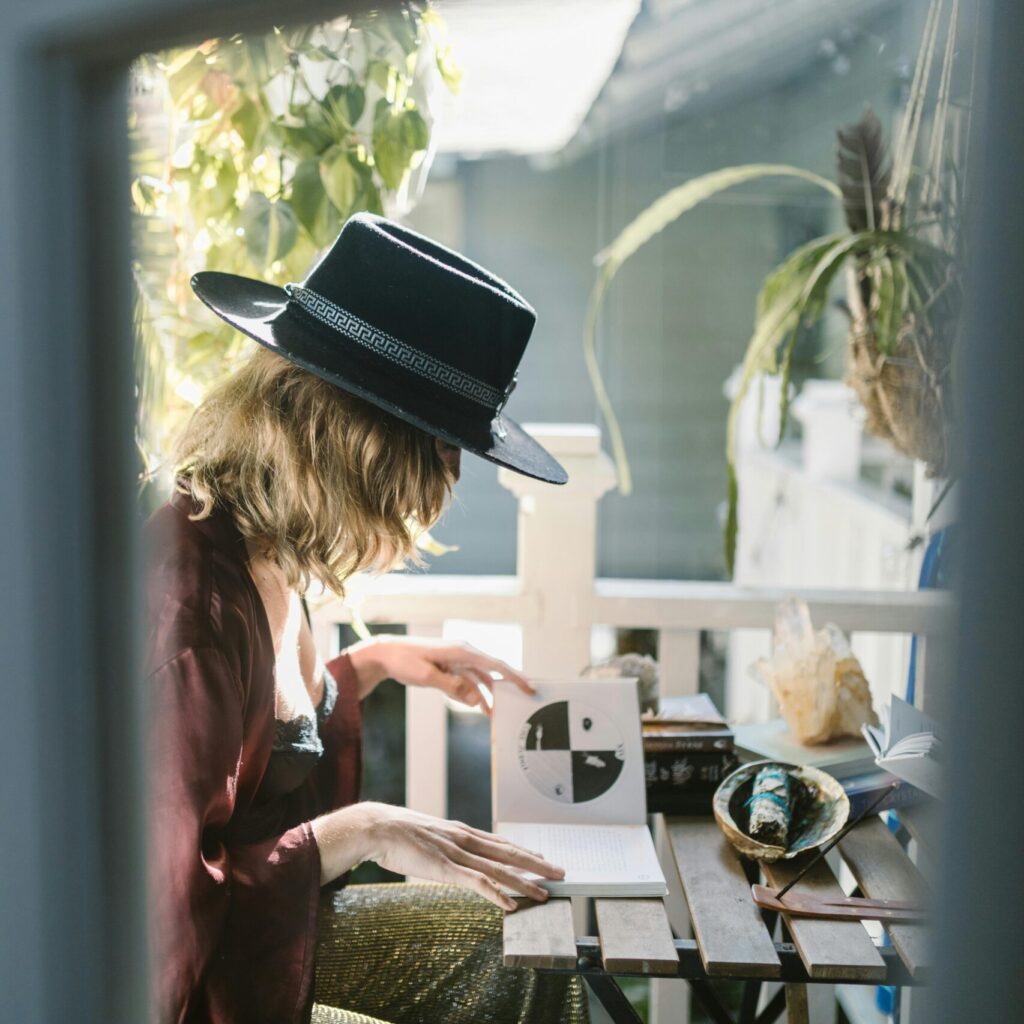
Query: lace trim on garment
x,y
301,733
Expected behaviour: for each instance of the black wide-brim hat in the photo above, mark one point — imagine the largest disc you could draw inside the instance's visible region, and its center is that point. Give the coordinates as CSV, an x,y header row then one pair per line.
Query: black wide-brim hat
x,y
407,324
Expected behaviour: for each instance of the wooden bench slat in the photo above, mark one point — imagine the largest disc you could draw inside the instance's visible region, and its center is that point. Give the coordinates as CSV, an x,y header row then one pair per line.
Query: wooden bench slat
x,y
540,935
635,936
885,872
922,821
835,950
730,933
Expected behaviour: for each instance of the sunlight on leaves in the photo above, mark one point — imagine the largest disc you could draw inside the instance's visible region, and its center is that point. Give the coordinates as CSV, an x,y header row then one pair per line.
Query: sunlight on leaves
x,y
249,153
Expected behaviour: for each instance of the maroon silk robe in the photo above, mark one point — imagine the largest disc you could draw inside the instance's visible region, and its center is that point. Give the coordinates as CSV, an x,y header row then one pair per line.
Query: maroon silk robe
x,y
234,882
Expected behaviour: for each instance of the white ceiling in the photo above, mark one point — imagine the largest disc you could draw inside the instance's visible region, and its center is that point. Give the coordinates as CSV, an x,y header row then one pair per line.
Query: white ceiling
x,y
531,70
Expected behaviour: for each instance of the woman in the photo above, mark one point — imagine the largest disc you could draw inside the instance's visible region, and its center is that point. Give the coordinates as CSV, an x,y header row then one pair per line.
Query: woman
x,y
322,456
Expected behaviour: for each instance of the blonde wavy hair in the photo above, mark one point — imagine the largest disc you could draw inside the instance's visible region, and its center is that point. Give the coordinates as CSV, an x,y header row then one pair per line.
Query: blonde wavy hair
x,y
324,482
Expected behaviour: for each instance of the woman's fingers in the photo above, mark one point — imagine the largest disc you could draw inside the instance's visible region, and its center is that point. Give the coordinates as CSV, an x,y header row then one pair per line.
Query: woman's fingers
x,y
482,884
462,685
467,690
464,654
508,853
484,686
495,838
498,873
446,682
412,843
432,664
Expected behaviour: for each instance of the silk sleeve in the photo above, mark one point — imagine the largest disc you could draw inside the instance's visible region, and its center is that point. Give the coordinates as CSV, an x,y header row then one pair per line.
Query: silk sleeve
x,y
233,926
342,737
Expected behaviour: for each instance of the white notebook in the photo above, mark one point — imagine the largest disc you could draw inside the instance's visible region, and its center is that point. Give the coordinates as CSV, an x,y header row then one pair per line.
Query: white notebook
x,y
908,746
567,781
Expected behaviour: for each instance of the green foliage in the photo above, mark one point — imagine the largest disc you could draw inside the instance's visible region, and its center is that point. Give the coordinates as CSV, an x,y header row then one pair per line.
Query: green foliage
x,y
796,293
658,216
249,155
909,278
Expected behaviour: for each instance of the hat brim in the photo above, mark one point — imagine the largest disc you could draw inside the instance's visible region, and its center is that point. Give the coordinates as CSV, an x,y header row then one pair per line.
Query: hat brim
x,y
262,312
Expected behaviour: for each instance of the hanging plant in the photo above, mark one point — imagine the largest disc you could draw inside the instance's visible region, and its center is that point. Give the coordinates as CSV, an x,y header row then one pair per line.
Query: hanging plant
x,y
250,152
899,250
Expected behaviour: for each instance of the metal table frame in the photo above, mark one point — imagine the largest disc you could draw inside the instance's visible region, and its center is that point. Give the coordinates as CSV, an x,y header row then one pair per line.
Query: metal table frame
x,y
691,969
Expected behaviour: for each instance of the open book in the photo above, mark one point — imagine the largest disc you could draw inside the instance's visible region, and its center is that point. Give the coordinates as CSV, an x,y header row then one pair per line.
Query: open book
x,y
567,781
907,745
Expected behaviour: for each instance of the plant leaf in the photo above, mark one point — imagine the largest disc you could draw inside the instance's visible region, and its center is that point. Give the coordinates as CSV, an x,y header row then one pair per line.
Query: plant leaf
x,y
397,136
222,194
732,525
888,299
308,133
185,74
340,179
248,120
426,541
379,72
799,289
677,201
307,194
415,133
345,103
797,265
270,229
787,376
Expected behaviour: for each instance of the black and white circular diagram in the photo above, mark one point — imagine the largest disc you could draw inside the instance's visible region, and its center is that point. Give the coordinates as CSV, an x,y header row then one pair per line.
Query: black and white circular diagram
x,y
570,751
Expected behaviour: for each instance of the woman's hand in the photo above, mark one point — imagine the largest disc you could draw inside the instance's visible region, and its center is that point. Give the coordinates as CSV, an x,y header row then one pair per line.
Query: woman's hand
x,y
411,843
459,670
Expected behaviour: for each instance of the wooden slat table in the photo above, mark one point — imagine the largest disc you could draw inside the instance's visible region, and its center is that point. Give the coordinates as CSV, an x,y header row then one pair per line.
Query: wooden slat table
x,y
734,939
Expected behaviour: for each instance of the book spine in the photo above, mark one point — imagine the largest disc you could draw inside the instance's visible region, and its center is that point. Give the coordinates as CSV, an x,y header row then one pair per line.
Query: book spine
x,y
686,772
680,803
712,742
904,795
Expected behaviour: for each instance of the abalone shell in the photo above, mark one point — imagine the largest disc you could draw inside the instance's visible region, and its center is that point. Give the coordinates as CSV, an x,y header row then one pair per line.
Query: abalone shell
x,y
819,810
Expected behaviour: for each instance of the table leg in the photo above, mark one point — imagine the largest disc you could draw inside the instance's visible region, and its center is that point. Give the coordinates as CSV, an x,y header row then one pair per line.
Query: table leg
x,y
612,998
796,1004
708,998
773,1008
748,1008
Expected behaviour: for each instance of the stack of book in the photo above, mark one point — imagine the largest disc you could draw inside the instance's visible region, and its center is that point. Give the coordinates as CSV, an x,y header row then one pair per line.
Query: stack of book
x,y
688,750
863,791
772,741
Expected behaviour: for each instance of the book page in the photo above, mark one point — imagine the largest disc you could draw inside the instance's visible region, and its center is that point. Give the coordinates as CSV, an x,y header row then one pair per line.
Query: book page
x,y
608,857
906,720
922,771
910,747
572,754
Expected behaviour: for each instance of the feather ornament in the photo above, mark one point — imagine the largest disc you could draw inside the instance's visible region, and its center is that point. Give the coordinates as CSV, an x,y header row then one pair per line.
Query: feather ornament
x,y
863,170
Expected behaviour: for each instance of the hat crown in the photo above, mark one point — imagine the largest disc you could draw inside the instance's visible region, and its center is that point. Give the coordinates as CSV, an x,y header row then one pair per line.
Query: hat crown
x,y
426,297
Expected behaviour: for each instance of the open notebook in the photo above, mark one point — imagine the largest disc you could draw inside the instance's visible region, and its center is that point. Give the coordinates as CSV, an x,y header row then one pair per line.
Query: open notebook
x,y
567,781
908,746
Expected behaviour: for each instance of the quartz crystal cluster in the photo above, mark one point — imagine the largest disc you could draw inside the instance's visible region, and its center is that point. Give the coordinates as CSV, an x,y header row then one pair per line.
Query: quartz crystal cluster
x,y
814,676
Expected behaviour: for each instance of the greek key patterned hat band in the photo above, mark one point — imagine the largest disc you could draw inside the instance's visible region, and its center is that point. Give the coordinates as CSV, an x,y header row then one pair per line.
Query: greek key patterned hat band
x,y
407,356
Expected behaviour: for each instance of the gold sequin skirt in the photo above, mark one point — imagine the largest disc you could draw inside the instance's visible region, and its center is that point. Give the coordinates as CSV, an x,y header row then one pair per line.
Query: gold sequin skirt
x,y
428,954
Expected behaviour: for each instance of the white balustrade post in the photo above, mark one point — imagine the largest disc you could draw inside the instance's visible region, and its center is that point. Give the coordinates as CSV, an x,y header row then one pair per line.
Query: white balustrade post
x,y
556,557
426,744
